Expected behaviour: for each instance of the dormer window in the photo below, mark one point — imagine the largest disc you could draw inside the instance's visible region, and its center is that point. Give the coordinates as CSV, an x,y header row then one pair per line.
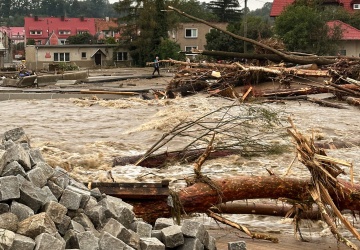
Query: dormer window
x,y
64,32
35,32
356,6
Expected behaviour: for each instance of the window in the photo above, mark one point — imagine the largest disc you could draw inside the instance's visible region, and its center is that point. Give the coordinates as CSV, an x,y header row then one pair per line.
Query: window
x,y
35,32
121,56
82,32
62,57
191,33
356,6
190,48
83,54
64,32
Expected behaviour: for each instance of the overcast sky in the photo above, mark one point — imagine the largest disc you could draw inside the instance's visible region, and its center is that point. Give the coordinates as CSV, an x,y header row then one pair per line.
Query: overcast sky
x,y
252,4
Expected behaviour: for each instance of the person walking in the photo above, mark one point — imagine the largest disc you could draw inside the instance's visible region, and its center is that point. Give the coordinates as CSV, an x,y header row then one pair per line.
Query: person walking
x,y
156,66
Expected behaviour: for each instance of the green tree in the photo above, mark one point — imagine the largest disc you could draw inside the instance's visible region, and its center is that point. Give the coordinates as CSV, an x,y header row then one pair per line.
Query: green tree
x,y
84,38
257,28
263,12
306,33
226,10
169,49
193,8
147,26
30,42
110,40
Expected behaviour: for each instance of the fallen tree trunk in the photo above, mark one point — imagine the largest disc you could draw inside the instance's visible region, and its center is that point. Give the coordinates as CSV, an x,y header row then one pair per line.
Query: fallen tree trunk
x,y
200,197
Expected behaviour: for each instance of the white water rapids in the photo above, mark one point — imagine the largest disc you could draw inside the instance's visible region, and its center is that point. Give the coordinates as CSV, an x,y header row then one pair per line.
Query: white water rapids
x,y
84,136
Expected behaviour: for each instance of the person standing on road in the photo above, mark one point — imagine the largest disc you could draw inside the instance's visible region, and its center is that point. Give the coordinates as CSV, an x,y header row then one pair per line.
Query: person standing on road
x,y
156,66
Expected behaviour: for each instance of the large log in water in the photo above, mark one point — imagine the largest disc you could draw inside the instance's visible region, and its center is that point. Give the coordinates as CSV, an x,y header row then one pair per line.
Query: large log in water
x,y
200,197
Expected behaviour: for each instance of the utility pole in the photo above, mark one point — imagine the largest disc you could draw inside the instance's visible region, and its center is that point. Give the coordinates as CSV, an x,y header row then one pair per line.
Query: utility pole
x,y
245,25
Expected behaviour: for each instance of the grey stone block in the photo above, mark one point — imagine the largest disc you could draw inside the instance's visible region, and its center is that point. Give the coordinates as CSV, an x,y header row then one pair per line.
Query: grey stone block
x,y
113,227
7,238
85,221
4,208
47,170
9,188
31,195
157,234
37,177
55,211
172,236
151,244
87,204
49,195
130,238
95,192
64,225
71,239
46,241
55,189
15,134
61,177
191,244
8,144
76,226
15,153
193,229
97,215
21,211
141,228
210,242
161,223
9,221
87,240
117,209
70,199
237,245
109,242
22,242
13,169
35,225
35,156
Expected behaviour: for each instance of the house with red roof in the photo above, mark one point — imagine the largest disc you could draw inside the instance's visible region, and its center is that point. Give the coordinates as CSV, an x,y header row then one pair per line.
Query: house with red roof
x,y
349,44
278,6
40,28
107,27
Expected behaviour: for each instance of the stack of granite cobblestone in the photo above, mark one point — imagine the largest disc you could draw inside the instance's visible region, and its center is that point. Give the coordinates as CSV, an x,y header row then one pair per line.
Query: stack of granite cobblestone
x,y
43,208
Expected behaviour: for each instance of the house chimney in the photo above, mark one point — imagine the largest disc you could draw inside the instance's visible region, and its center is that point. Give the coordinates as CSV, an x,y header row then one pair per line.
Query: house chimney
x,y
82,18
107,19
62,18
36,18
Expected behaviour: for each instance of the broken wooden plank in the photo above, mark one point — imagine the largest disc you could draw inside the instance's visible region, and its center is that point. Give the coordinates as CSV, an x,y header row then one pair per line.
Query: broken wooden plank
x,y
133,191
108,92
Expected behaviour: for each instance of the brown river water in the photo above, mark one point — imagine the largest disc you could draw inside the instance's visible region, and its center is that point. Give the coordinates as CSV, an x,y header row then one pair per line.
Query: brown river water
x,y
84,135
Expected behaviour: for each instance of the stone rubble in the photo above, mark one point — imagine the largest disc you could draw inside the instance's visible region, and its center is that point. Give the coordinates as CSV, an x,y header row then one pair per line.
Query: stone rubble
x,y
44,208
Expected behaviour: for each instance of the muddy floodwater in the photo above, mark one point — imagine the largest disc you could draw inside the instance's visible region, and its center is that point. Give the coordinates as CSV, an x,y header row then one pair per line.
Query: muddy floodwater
x,y
84,136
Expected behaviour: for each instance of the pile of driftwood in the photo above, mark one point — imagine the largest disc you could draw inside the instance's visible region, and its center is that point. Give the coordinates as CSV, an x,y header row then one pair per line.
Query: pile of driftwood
x,y
292,83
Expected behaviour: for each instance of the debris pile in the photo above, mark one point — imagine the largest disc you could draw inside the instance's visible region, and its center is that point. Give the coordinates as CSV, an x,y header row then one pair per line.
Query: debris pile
x,y
44,208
